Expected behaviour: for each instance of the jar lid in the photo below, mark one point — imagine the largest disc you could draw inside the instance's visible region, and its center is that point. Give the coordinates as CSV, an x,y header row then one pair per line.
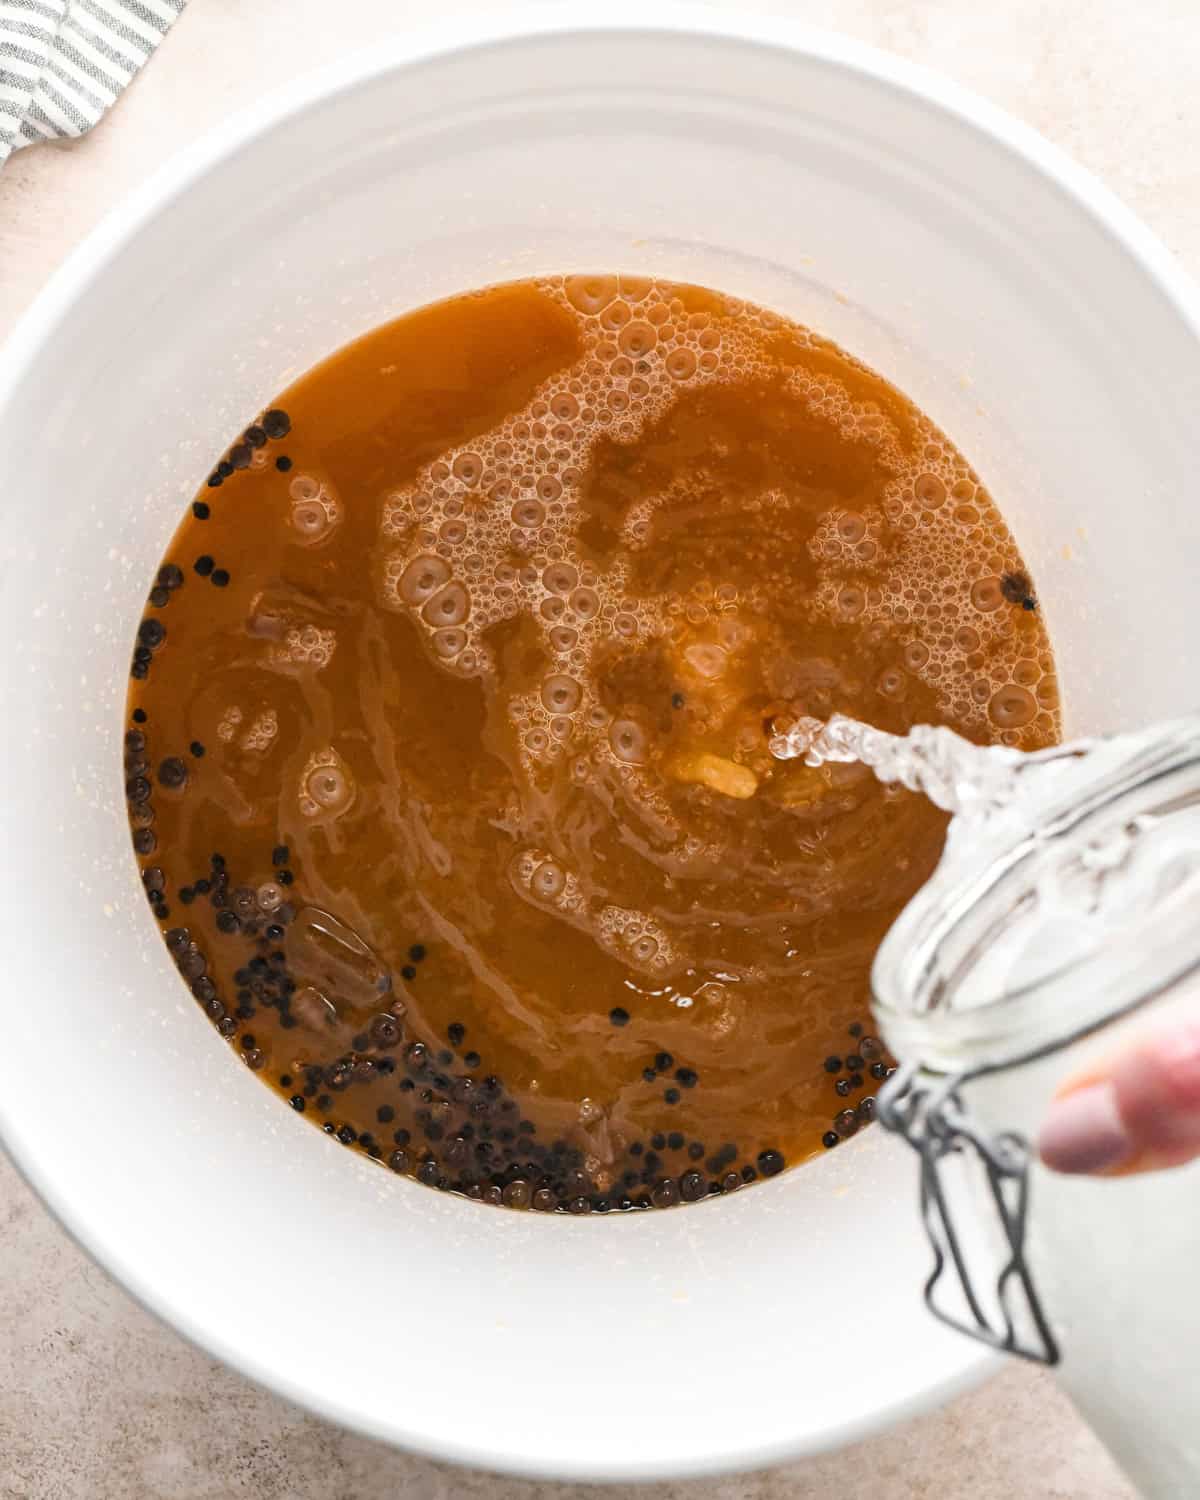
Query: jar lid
x,y
1068,904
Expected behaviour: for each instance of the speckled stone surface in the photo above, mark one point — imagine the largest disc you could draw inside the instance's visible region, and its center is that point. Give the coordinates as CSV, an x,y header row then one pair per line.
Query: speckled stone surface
x,y
97,1399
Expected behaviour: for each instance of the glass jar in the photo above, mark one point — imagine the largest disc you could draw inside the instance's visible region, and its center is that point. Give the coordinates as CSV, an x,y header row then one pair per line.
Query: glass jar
x,y
1052,932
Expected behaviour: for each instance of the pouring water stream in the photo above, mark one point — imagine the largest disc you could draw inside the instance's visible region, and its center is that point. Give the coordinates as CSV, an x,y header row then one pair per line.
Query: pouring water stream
x,y
957,776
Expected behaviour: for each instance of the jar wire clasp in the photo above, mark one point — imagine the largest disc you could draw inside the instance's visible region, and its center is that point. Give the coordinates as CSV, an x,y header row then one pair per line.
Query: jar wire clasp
x,y
1000,1308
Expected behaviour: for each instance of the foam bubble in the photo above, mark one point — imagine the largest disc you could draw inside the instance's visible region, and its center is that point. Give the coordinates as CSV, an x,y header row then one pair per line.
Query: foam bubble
x,y
422,578
452,533
930,491
228,723
590,294
315,512
549,880
851,527
681,364
305,646
262,732
851,601
1013,707
628,741
561,694
636,938
987,595
449,606
615,317
892,683
327,787
449,643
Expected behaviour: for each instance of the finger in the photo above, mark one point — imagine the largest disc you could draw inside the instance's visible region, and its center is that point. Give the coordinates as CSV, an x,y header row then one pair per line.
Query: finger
x,y
1144,1115
1158,1091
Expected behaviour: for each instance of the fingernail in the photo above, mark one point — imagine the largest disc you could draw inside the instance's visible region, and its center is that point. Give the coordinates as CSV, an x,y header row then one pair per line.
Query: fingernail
x,y
1084,1132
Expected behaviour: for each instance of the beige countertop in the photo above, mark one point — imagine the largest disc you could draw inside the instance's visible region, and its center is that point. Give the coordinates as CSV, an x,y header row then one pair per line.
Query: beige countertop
x,y
97,1399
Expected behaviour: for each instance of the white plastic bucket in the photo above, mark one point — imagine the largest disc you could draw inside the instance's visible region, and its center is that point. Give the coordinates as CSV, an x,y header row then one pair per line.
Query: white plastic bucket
x,y
1003,290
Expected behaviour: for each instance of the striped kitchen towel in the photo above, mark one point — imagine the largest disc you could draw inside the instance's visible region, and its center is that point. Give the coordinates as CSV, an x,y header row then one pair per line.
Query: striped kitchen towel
x,y
63,62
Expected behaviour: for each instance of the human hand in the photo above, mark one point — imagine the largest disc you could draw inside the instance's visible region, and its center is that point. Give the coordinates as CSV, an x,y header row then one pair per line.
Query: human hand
x,y
1137,1113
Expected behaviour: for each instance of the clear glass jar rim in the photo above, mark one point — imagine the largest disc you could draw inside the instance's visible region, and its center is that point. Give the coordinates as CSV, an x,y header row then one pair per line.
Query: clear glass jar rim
x,y
985,884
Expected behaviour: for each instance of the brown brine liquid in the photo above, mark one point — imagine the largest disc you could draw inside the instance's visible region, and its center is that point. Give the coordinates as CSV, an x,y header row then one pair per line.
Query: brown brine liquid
x,y
446,750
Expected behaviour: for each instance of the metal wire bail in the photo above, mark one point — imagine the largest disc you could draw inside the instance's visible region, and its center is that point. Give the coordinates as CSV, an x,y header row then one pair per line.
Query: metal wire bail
x,y
936,1124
